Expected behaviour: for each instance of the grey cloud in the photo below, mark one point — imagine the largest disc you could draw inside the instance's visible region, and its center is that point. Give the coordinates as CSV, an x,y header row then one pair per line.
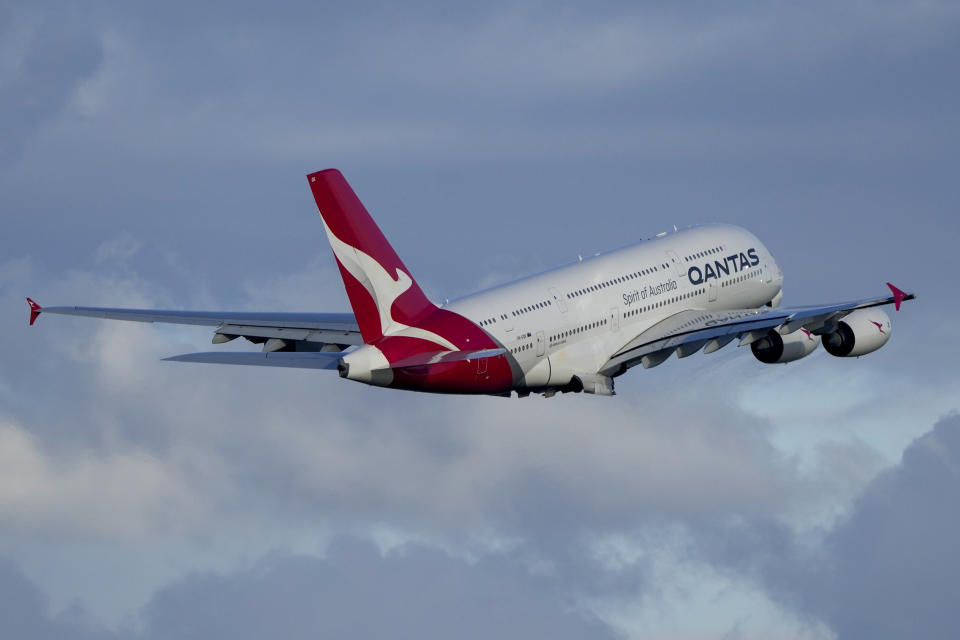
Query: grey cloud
x,y
140,450
313,447
891,568
413,592
887,569
778,126
42,62
25,612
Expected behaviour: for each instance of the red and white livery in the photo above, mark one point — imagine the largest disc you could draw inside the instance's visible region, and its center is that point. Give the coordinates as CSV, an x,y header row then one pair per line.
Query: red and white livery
x,y
573,328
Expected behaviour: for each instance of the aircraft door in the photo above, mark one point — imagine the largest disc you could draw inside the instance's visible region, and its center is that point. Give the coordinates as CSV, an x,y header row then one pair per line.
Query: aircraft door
x,y
712,291
613,319
767,273
558,299
541,344
677,265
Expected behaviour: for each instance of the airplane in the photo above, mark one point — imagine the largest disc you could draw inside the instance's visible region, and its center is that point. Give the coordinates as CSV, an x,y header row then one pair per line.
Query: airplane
x,y
574,328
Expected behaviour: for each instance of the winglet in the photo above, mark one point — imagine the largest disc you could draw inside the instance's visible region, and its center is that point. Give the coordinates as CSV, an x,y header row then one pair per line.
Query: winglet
x,y
35,310
898,296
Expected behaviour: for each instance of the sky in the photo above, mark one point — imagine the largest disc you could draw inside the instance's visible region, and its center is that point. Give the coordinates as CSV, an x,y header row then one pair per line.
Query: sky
x,y
153,155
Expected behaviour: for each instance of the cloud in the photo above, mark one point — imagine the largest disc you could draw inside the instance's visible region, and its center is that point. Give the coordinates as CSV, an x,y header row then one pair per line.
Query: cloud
x,y
118,249
483,87
120,493
25,612
316,448
890,568
411,592
414,591
886,569
42,62
216,450
137,451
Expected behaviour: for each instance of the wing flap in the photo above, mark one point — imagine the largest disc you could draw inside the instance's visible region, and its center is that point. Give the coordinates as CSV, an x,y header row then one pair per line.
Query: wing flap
x,y
325,336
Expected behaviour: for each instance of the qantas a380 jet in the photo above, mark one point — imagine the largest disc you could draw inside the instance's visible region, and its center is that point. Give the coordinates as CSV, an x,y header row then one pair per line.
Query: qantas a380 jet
x,y
574,328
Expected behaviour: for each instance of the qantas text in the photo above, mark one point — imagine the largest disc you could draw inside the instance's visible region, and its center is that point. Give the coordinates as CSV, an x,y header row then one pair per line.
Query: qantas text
x,y
734,262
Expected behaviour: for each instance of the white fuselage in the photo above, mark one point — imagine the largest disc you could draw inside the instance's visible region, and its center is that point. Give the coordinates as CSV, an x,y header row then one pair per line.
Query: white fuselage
x,y
575,316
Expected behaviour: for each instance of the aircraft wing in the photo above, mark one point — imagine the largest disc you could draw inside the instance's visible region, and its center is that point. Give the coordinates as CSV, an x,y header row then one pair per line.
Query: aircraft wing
x,y
689,331
324,328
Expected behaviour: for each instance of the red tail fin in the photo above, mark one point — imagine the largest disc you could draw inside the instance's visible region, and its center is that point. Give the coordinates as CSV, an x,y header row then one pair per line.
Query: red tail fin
x,y
381,290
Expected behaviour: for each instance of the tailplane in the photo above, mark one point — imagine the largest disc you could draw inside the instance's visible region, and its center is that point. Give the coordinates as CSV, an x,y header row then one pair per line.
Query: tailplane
x,y
384,296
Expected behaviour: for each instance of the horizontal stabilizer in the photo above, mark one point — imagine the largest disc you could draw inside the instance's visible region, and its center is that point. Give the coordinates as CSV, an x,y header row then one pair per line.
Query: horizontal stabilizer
x,y
298,360
439,357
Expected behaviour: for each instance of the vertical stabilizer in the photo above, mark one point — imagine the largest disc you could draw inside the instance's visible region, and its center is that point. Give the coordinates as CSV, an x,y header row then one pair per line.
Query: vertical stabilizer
x,y
384,296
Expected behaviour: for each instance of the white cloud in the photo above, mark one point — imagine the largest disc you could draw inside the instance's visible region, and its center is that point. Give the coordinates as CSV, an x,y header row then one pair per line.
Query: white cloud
x,y
509,58
125,493
118,249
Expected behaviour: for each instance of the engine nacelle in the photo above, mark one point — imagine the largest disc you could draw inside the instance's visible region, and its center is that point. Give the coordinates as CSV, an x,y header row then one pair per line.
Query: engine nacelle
x,y
859,333
595,383
774,348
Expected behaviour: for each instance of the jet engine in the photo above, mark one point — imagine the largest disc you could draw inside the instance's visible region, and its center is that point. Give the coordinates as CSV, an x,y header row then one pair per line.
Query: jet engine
x,y
859,333
773,347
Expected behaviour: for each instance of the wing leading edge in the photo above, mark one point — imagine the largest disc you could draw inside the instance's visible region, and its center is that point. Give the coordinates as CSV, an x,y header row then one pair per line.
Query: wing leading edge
x,y
689,331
